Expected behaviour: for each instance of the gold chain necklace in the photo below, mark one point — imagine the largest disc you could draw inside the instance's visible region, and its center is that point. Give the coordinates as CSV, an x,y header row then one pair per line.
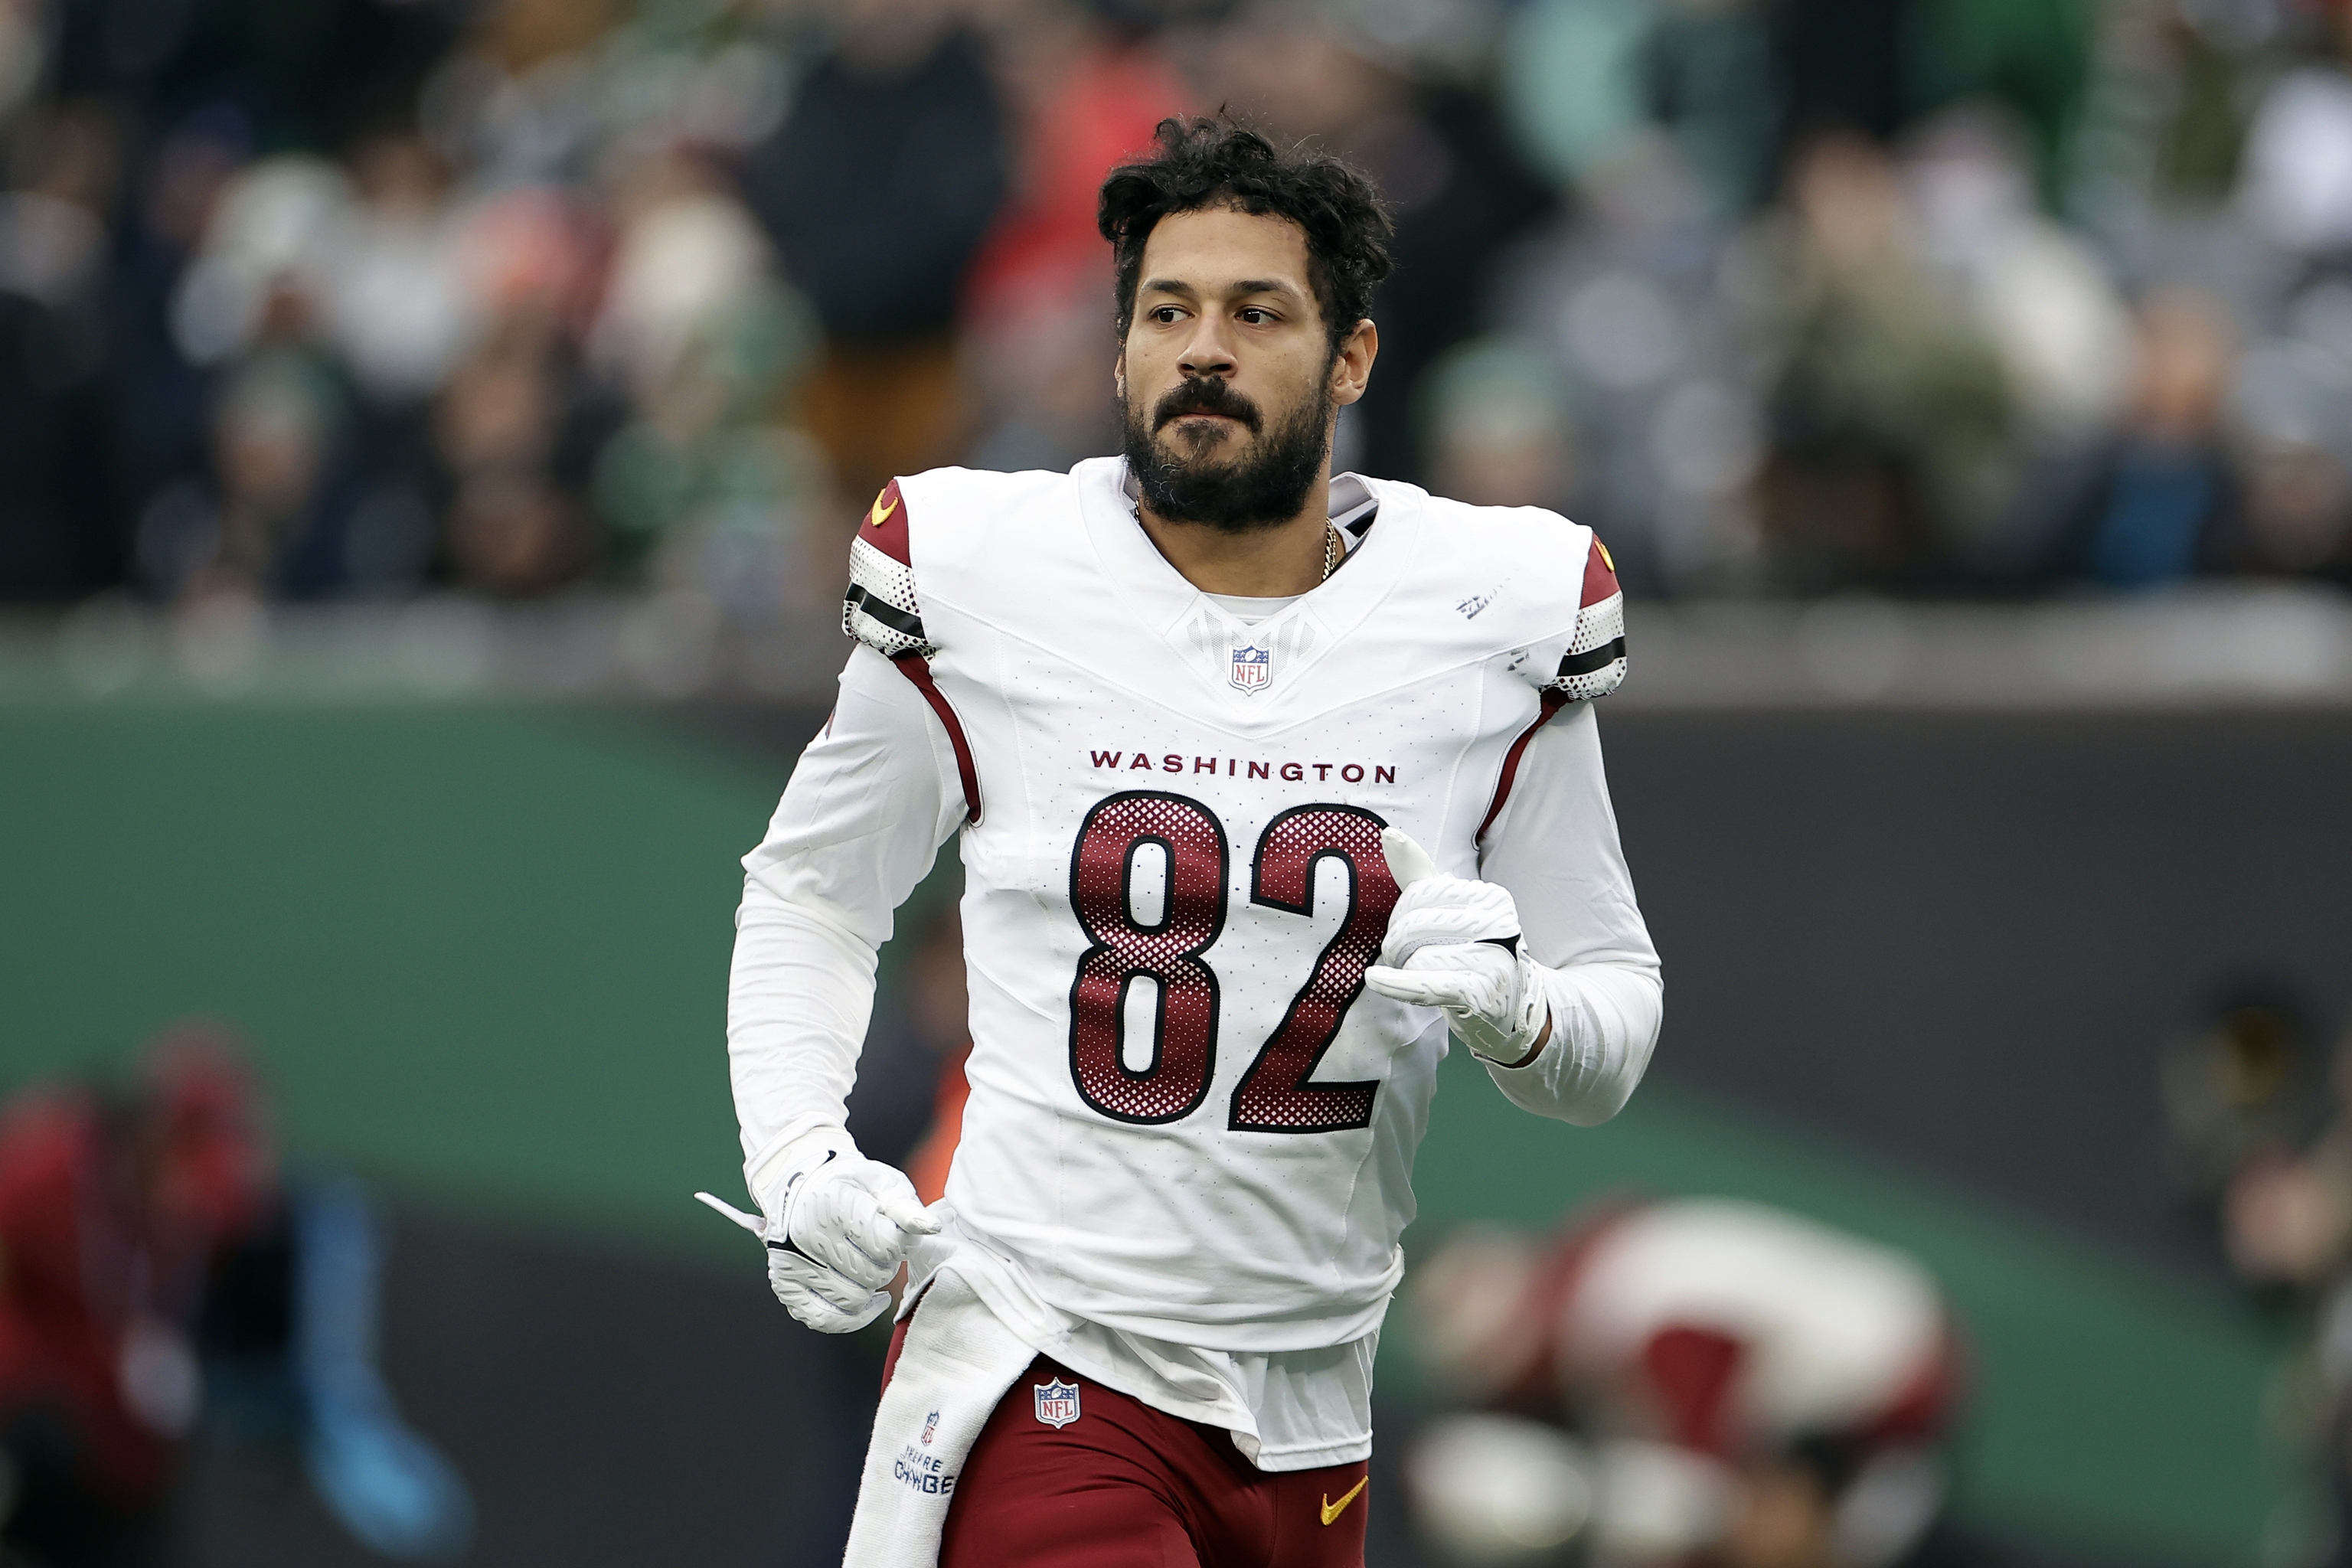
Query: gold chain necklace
x,y
1330,550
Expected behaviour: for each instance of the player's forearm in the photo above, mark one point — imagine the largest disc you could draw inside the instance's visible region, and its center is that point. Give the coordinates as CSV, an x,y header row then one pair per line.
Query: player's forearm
x,y
1555,848
1605,1017
856,828
799,993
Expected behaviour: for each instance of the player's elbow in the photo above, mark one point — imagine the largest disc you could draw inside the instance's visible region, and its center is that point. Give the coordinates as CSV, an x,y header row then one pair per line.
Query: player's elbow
x,y
1625,1011
1594,1110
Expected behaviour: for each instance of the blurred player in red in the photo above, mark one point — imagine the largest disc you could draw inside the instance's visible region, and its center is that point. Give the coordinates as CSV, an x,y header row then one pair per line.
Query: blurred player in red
x,y
1266,782
113,1211
1752,1390
155,1269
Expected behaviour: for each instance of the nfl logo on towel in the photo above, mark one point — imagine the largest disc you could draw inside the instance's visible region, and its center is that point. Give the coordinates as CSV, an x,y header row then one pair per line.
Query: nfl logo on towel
x,y
1252,667
1057,1403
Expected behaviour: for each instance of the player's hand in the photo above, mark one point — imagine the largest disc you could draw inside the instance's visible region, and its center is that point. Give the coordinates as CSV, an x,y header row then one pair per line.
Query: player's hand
x,y
1454,944
844,1228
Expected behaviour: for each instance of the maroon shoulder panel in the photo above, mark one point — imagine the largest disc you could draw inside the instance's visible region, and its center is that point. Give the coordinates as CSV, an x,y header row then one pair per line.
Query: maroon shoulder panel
x,y
885,527
1600,571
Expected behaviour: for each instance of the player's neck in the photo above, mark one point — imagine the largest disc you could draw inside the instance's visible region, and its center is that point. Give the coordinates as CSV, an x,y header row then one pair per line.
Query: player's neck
x,y
1272,562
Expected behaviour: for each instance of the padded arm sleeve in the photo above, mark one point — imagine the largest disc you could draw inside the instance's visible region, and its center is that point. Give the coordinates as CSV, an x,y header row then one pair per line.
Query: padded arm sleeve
x,y
872,799
1588,659
1555,846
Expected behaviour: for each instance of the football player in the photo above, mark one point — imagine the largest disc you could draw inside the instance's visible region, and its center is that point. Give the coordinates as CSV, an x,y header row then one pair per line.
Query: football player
x,y
1752,1390
1264,782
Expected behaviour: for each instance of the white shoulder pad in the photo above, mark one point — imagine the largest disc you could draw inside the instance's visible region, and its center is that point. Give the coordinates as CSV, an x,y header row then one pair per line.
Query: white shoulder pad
x,y
880,609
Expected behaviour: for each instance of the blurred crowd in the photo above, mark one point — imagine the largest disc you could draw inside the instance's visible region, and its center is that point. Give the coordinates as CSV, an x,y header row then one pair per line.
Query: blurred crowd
x,y
333,299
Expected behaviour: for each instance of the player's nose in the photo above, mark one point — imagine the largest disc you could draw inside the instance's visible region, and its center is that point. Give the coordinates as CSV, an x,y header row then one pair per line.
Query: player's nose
x,y
1209,353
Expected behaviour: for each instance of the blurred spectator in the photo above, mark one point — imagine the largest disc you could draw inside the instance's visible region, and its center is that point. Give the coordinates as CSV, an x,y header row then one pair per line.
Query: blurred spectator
x,y
2032,61
2296,182
879,186
908,1105
1572,81
941,1011
1708,72
519,102
1741,1387
2157,149
2056,321
254,275
1500,429
511,436
2261,1139
162,428
270,521
390,301
2247,1082
1455,184
1038,344
393,310
1586,81
2291,420
1890,410
1625,303
159,1279
513,524
59,536
2159,492
699,489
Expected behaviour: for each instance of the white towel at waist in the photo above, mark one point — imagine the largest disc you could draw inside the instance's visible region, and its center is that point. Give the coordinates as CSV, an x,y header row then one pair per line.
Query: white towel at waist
x,y
955,1364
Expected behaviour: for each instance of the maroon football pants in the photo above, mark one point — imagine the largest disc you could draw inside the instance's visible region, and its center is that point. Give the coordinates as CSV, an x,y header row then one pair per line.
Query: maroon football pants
x,y
1126,1486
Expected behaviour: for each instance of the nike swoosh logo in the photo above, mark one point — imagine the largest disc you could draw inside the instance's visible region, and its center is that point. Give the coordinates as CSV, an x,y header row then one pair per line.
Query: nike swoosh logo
x,y
881,514
1332,1510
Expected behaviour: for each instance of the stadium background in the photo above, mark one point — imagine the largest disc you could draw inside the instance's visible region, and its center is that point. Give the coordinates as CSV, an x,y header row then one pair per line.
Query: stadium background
x,y
432,429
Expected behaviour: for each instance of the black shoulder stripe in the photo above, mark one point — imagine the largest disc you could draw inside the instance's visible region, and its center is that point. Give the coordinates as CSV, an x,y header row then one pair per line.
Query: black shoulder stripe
x,y
882,610
1600,657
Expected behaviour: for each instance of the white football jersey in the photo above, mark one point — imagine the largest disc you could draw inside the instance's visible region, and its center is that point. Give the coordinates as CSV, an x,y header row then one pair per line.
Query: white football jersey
x,y
1189,1117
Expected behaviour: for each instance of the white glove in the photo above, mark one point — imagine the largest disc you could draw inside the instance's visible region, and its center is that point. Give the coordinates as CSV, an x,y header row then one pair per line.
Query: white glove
x,y
1454,944
841,1230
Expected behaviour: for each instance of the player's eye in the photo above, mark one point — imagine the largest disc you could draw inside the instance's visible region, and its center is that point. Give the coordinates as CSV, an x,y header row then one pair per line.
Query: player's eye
x,y
1257,315
1165,315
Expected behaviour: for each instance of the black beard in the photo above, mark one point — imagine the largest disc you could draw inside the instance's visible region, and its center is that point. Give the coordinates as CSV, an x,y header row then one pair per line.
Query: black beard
x,y
1238,495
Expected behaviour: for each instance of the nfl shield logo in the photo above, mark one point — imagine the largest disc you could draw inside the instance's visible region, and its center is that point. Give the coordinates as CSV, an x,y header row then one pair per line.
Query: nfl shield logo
x,y
1252,666
1057,1403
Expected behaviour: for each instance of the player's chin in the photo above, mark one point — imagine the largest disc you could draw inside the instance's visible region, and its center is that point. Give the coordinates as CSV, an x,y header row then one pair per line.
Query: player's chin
x,y
1204,446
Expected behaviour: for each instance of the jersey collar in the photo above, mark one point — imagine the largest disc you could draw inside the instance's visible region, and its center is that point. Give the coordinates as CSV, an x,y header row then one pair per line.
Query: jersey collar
x,y
1160,598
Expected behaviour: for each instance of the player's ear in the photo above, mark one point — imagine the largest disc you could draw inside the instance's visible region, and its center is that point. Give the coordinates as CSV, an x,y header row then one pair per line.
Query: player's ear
x,y
1352,367
1119,372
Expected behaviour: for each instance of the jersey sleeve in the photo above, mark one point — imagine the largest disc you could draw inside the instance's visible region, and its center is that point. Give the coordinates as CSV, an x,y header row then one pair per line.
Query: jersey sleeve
x,y
870,801
1592,658
1555,846
881,608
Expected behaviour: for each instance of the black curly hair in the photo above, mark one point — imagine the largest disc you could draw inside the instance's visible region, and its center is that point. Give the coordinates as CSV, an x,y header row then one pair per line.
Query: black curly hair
x,y
1204,162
